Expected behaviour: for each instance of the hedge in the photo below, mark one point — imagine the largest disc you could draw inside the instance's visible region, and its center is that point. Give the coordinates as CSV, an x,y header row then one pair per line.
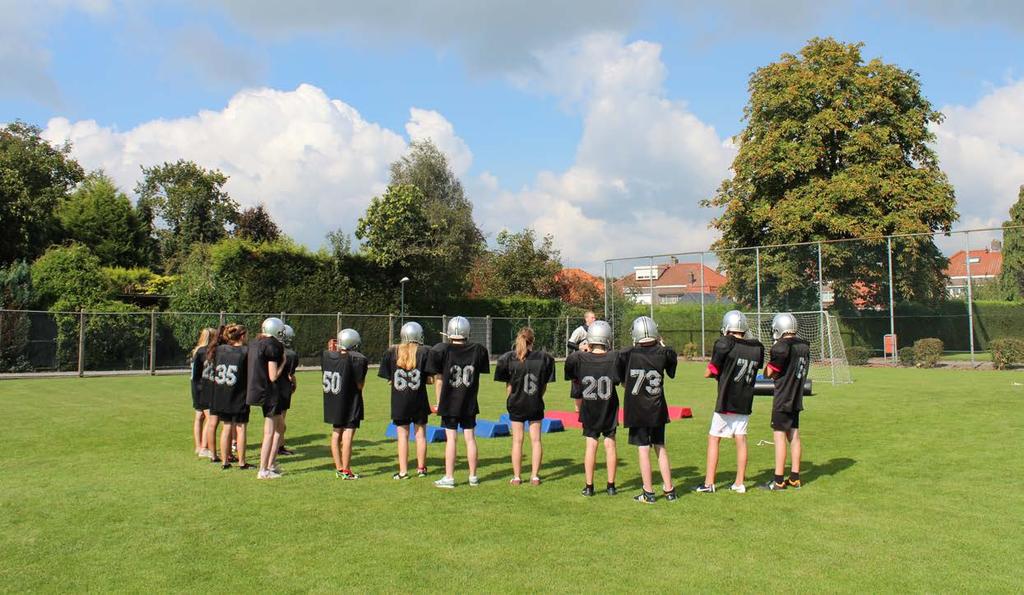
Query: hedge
x,y
857,356
927,352
906,356
1007,351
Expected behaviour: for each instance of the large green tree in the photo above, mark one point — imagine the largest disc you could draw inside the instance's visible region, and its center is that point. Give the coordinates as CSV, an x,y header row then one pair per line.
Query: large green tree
x,y
520,265
98,215
190,203
256,225
834,148
1011,277
35,176
395,230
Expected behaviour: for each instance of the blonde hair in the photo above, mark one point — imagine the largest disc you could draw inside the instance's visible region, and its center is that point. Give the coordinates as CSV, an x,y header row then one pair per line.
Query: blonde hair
x,y
407,356
524,343
225,334
205,336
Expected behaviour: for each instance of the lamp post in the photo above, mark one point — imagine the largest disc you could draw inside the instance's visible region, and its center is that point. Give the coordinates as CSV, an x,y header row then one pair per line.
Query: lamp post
x,y
401,312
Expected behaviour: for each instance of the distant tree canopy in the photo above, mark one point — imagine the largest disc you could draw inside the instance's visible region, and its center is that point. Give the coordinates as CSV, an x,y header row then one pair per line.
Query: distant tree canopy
x,y
101,217
1011,277
256,225
520,265
834,148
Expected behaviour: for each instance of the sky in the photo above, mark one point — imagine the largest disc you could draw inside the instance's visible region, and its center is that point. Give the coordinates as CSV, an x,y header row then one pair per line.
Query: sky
x,y
601,122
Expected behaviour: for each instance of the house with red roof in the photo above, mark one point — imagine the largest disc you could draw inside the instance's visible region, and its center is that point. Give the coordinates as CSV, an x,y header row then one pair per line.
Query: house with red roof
x,y
672,283
985,266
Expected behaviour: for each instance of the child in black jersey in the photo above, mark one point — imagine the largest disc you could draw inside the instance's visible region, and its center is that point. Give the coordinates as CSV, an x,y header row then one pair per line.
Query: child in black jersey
x,y
344,372
597,373
735,361
286,384
526,373
228,355
200,393
788,367
404,367
643,368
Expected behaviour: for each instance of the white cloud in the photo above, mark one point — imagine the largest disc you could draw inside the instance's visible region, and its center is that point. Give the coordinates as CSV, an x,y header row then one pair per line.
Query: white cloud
x,y
315,162
430,125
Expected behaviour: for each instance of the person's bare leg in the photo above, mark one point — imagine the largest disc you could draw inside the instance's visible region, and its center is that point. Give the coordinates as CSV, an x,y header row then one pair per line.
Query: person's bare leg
x,y
267,444
211,434
741,459
645,468
780,452
450,451
226,430
517,449
471,451
197,430
536,449
202,437
665,467
346,448
240,431
611,456
712,465
796,449
284,425
421,447
403,450
277,437
576,404
590,460
336,448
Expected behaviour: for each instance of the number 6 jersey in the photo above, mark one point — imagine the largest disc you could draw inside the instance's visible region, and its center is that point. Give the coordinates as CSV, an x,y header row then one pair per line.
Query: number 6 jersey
x,y
528,380
408,387
459,365
643,369
735,362
597,374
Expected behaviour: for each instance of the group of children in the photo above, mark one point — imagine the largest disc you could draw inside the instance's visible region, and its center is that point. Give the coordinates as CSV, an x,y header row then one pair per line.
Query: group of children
x,y
228,377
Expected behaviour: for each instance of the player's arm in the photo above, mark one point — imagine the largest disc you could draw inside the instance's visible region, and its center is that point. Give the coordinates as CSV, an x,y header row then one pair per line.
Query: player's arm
x,y
777,361
718,355
438,383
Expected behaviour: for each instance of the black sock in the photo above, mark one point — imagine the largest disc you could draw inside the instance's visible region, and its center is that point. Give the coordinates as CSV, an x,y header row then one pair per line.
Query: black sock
x,y
611,484
590,486
794,476
779,479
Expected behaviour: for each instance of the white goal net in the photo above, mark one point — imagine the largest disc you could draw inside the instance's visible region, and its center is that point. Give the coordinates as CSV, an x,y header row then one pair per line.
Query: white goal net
x,y
828,356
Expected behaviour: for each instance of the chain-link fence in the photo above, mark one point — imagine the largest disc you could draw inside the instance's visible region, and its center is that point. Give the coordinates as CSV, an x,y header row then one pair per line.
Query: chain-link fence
x,y
152,342
884,293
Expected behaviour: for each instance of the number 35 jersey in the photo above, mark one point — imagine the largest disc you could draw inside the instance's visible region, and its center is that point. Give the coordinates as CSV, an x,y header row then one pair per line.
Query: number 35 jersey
x,y
643,369
408,387
597,374
459,366
228,373
735,362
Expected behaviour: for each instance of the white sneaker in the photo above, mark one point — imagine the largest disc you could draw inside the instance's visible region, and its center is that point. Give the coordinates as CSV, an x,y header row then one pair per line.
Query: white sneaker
x,y
205,453
739,489
474,481
276,469
445,482
268,474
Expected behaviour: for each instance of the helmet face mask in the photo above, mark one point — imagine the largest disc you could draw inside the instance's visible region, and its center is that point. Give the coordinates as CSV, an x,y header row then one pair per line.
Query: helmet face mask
x,y
348,339
600,333
288,335
784,323
458,328
735,321
645,330
411,332
273,327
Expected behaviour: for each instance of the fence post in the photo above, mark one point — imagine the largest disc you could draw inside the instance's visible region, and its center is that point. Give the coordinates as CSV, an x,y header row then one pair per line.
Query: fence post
x,y
2,333
567,337
892,307
391,329
651,284
488,334
702,351
757,259
444,328
821,311
152,342
970,293
81,342
222,318
282,317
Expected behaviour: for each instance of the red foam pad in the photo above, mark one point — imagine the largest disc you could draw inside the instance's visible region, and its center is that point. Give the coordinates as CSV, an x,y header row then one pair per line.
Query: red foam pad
x,y
680,413
569,419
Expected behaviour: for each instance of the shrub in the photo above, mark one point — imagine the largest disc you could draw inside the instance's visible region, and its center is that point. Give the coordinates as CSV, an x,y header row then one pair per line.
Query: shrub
x,y
689,351
906,356
69,274
857,356
1007,351
927,352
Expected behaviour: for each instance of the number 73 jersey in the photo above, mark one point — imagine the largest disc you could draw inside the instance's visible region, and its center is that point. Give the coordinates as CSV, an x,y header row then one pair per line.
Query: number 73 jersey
x,y
643,369
736,362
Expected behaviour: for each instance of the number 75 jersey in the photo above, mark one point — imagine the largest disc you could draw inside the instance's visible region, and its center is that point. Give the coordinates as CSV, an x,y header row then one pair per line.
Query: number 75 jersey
x,y
735,362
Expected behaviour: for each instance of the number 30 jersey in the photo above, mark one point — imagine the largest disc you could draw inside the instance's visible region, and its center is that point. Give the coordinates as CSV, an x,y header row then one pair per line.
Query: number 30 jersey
x,y
228,372
735,362
459,366
408,387
790,359
597,374
643,369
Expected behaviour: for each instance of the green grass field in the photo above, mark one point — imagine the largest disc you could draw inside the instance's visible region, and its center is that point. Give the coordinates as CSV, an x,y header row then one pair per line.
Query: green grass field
x,y
913,482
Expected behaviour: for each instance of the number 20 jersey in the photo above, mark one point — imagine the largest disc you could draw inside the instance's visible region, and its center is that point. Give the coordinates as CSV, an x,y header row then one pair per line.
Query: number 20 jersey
x,y
735,362
459,365
597,375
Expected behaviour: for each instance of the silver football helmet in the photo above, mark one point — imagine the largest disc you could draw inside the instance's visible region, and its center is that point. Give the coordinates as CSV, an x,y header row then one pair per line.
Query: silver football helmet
x,y
289,335
783,323
348,339
600,333
458,328
274,327
645,330
411,332
735,321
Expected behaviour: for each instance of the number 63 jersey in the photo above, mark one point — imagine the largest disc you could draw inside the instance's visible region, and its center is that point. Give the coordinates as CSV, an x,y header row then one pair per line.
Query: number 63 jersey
x,y
643,369
735,362
597,374
459,365
408,387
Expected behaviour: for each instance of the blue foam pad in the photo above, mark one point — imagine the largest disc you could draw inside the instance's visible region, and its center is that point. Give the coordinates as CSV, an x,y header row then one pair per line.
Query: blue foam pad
x,y
546,425
486,428
433,433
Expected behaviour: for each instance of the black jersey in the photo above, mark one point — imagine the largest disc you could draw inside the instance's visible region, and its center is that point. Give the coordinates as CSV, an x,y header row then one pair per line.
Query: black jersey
x,y
229,379
261,352
791,360
284,381
408,387
735,362
643,369
201,380
528,379
460,366
343,373
597,375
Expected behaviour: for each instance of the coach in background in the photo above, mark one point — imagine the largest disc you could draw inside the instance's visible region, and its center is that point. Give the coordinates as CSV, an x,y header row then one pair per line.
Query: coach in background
x,y
578,338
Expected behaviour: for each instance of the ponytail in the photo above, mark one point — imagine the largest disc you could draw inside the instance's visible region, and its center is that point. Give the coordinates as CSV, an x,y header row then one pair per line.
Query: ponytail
x,y
225,334
211,348
205,336
407,356
524,343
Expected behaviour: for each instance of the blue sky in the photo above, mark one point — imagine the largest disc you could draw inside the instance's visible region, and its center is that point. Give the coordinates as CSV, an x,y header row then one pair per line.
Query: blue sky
x,y
551,109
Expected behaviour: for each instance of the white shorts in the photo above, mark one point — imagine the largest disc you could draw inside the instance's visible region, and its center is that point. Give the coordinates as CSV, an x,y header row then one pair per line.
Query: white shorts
x,y
727,425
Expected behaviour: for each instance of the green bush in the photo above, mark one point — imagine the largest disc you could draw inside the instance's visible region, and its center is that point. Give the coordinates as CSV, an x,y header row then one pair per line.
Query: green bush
x,y
689,351
906,356
71,275
116,339
134,281
857,356
1007,352
927,352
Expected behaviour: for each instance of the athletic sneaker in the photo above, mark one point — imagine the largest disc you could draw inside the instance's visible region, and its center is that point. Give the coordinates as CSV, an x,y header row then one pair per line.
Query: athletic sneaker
x,y
347,475
516,481
670,495
225,466
704,489
421,472
645,497
535,481
284,451
205,453
611,489
474,481
267,474
587,491
773,487
215,459
445,482
794,485
738,488
276,469
400,476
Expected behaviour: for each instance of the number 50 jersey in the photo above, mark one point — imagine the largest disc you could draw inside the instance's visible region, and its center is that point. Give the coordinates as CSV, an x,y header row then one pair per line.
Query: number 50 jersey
x,y
459,365
735,362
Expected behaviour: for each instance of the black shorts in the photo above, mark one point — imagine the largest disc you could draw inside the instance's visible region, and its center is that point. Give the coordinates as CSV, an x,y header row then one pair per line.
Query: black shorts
x,y
232,418
418,421
596,433
525,418
352,425
452,422
272,409
784,422
284,403
647,436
